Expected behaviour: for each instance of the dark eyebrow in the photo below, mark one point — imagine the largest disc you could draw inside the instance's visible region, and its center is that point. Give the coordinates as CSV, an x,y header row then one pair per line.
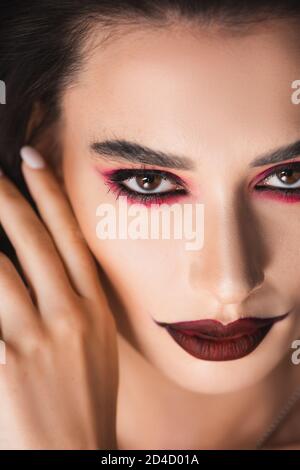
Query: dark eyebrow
x,y
124,150
280,154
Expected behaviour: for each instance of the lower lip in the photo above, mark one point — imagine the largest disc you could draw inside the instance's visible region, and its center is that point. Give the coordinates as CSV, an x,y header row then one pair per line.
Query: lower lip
x,y
220,349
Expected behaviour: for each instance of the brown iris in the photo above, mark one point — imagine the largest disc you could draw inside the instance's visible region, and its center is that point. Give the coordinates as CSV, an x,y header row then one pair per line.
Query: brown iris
x,y
149,182
288,176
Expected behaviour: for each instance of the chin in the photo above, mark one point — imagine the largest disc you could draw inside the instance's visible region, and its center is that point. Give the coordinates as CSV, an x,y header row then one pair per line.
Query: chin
x,y
219,378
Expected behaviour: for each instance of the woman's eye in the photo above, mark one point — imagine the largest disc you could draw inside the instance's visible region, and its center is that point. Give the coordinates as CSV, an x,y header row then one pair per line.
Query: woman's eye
x,y
284,178
150,184
147,186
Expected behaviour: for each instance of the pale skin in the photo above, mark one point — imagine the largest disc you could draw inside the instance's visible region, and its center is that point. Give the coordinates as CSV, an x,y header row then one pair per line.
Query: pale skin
x,y
62,341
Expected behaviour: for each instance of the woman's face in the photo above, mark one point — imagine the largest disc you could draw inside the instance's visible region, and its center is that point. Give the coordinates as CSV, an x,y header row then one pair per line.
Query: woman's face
x,y
221,104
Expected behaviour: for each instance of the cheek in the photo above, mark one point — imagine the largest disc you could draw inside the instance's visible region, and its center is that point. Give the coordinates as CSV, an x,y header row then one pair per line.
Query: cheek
x,y
144,267
142,271
277,240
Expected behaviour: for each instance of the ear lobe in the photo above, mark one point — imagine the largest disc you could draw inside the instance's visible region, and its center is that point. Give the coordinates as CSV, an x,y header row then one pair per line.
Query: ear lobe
x,y
35,120
47,141
51,150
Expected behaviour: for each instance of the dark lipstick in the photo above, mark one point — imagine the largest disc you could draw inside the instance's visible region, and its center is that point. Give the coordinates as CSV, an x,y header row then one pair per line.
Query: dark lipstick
x,y
212,341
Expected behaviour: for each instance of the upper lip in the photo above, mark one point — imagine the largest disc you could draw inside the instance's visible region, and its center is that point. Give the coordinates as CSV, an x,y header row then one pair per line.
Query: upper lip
x,y
215,329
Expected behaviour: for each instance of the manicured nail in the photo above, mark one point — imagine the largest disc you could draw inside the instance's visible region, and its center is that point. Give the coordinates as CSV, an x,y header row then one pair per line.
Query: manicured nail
x,y
32,157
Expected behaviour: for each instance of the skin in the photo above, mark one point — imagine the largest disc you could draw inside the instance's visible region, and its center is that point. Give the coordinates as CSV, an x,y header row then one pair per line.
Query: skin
x,y
221,101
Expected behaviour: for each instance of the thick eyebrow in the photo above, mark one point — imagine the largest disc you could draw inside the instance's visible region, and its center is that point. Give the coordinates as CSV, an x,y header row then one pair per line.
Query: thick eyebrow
x,y
280,154
124,150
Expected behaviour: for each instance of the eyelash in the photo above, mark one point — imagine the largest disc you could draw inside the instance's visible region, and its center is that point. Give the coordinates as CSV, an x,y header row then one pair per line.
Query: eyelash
x,y
115,178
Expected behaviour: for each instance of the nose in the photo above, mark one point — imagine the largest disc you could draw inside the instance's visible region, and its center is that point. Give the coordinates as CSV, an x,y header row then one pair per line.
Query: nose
x,y
230,264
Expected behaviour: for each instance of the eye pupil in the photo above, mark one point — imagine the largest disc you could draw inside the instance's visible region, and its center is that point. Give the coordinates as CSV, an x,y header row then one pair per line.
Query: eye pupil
x,y
289,176
148,181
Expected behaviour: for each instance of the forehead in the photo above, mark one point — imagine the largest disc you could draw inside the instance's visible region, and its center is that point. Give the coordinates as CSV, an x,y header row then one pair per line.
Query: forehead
x,y
191,85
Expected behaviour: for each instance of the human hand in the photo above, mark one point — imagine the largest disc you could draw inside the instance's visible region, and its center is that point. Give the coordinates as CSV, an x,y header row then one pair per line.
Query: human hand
x,y
59,385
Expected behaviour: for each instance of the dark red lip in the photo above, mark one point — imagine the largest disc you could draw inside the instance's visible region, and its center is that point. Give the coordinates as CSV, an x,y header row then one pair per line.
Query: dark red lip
x,y
211,340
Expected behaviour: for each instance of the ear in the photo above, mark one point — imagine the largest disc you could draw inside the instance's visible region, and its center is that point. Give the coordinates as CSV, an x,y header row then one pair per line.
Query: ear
x,y
47,142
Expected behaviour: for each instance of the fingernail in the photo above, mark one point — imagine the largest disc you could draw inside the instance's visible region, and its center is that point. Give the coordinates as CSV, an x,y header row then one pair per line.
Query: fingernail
x,y
32,157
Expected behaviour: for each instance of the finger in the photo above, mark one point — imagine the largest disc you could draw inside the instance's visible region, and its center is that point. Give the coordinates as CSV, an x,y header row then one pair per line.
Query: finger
x,y
59,218
18,317
34,247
